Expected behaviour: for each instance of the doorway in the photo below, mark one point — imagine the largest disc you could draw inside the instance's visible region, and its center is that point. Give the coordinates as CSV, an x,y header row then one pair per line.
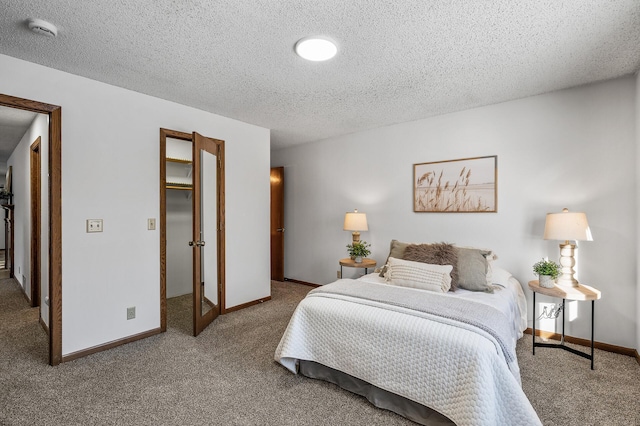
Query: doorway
x,y
54,214
192,169
36,217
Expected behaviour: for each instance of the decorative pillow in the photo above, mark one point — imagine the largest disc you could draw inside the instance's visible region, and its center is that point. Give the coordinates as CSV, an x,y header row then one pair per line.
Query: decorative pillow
x,y
396,249
473,269
500,277
435,254
418,275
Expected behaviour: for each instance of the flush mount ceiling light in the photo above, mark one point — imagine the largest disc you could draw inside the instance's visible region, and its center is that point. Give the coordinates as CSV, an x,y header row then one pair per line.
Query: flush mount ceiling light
x,y
41,27
316,48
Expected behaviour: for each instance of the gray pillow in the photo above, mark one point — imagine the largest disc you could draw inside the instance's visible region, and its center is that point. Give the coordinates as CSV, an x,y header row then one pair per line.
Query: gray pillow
x,y
472,269
396,249
435,254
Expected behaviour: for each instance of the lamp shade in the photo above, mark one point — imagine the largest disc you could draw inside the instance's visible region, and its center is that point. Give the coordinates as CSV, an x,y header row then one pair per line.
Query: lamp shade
x,y
567,226
354,221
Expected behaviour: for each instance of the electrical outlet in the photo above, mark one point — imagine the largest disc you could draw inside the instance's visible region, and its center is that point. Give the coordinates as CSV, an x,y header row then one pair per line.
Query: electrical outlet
x,y
339,275
94,225
151,224
131,313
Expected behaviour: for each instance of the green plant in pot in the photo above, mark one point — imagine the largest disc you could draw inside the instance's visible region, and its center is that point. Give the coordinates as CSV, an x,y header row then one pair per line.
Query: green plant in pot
x,y
358,250
547,271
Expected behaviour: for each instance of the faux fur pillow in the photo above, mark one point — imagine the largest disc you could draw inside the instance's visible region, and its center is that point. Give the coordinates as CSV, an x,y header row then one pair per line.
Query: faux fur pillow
x,y
435,254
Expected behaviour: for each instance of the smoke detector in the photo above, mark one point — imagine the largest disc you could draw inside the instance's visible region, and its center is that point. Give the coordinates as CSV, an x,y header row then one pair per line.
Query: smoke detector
x,y
41,27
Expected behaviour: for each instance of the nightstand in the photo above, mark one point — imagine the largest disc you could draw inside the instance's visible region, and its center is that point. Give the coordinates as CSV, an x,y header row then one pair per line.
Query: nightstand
x,y
350,263
581,293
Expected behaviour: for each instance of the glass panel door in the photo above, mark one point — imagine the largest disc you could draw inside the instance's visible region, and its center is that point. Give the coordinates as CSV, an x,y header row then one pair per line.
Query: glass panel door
x,y
206,232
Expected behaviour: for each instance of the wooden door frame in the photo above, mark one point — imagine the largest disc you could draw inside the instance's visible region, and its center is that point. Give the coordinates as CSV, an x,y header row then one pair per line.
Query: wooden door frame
x,y
164,134
35,175
55,215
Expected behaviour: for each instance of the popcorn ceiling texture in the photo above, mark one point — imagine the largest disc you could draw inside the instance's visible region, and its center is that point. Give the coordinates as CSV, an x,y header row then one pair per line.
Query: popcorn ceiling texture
x,y
397,61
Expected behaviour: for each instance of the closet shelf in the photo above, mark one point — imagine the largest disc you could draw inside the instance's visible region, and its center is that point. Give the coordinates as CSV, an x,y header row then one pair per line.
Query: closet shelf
x,y
178,174
178,160
180,186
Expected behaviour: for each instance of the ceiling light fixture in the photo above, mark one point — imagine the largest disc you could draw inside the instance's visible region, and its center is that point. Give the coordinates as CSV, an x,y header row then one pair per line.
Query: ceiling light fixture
x,y
316,48
41,27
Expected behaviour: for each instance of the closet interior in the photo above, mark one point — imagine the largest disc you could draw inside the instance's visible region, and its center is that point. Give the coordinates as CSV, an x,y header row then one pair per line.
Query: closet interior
x,y
179,255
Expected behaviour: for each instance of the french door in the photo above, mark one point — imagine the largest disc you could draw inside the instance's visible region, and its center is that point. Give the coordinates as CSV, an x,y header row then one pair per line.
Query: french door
x,y
205,190
208,230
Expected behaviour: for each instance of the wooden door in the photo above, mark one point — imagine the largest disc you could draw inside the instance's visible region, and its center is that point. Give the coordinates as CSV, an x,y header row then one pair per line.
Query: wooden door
x,y
208,230
277,223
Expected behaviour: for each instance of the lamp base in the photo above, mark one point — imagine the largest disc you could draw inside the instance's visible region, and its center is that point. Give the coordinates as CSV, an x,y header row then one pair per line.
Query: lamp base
x,y
567,262
568,281
356,237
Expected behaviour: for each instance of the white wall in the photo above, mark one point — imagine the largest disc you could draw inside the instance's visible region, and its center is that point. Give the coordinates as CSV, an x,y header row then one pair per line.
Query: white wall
x,y
573,148
20,162
110,170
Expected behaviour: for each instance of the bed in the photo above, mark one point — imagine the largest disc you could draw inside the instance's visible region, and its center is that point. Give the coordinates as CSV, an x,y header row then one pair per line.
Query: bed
x,y
434,357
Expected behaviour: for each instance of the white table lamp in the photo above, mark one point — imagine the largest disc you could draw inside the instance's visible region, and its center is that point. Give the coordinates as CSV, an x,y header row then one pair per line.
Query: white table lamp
x,y
567,226
355,221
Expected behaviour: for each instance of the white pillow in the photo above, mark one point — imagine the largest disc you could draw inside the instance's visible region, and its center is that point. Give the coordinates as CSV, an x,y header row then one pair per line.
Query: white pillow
x,y
418,275
500,277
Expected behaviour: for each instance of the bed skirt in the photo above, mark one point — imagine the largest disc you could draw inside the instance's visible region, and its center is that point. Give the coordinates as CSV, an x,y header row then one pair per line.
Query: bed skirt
x,y
378,397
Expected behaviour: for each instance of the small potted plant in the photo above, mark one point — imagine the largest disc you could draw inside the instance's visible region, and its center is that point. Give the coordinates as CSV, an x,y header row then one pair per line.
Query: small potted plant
x,y
358,250
547,271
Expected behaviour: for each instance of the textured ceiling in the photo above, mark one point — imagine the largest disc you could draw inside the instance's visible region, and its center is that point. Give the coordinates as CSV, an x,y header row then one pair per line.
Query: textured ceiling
x,y
397,61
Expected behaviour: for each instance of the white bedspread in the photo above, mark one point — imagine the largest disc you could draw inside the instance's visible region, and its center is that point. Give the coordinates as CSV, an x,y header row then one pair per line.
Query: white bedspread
x,y
451,367
508,296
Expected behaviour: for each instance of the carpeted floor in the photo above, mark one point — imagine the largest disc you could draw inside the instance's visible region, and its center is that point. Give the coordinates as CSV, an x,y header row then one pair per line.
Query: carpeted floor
x,y
227,376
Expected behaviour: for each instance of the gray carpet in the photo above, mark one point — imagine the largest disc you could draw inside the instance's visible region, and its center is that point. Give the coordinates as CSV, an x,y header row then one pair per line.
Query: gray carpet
x,y
227,376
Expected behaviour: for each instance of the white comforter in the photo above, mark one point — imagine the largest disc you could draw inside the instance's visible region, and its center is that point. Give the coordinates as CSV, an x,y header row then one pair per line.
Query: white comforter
x,y
453,368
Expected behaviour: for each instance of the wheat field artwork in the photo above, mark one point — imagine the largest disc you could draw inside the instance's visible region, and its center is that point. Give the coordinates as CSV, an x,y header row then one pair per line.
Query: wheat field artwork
x,y
467,185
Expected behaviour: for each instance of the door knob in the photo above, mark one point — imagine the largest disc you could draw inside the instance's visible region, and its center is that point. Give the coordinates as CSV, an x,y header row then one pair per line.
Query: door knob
x,y
196,243
280,229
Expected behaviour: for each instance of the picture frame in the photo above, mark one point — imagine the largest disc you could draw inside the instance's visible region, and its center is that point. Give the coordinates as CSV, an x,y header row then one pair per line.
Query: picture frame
x,y
466,185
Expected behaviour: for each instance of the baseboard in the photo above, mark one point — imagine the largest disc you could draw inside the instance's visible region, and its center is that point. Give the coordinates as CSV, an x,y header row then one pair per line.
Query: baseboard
x,y
44,326
586,342
24,293
246,305
301,282
110,345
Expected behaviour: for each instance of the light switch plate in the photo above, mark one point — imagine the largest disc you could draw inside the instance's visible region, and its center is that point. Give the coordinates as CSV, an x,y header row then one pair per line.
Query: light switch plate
x,y
151,224
94,225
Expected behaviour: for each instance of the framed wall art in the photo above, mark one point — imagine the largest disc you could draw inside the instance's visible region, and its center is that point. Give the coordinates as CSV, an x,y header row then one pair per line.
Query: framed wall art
x,y
467,185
